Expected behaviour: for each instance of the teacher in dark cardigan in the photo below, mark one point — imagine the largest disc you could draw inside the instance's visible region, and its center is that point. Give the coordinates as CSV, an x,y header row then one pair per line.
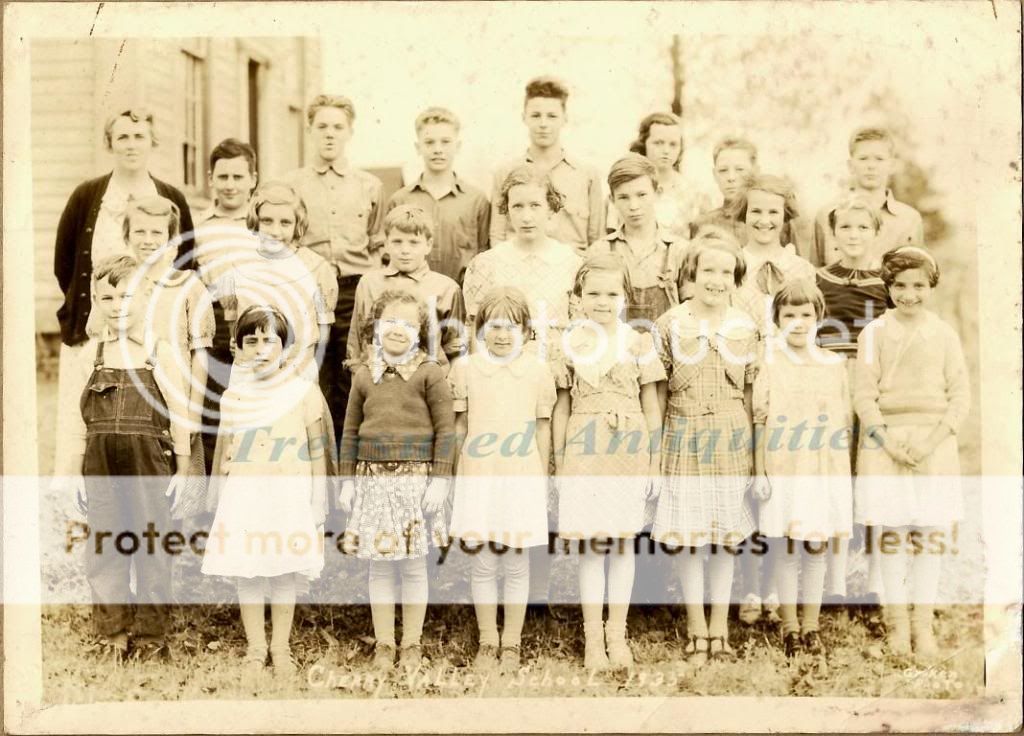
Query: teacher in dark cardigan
x,y
90,230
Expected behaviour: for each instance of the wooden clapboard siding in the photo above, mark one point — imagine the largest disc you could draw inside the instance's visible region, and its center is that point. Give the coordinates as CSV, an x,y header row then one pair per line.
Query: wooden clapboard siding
x,y
63,153
77,84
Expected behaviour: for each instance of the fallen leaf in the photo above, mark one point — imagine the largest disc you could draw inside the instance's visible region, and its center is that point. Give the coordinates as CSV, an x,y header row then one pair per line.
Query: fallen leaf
x,y
213,646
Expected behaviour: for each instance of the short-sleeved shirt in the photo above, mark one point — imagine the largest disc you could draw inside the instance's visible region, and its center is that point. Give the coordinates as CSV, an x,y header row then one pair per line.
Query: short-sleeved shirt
x,y
462,222
221,241
852,299
580,222
178,310
901,224
764,278
430,286
345,210
283,281
545,274
706,370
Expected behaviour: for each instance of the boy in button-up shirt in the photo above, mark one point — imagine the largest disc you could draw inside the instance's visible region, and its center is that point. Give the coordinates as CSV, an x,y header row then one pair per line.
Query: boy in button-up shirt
x,y
345,213
580,222
871,163
409,239
460,212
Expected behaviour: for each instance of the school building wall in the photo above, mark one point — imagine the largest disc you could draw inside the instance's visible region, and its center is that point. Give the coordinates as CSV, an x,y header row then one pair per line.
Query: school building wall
x,y
240,87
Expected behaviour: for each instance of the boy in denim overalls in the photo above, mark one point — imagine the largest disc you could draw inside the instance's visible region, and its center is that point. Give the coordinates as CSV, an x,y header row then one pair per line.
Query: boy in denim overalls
x,y
131,445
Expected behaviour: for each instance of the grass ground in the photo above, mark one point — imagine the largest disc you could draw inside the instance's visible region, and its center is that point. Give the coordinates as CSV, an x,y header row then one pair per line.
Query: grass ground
x,y
333,644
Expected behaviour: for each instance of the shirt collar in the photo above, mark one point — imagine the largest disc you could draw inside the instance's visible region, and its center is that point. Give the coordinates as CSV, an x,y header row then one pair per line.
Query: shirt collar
x,y
210,213
735,325
338,166
566,157
418,275
889,201
489,365
136,334
551,253
661,235
457,186
927,327
379,367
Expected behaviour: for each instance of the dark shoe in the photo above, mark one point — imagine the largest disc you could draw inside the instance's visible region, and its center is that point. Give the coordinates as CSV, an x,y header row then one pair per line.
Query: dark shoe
x,y
719,649
792,644
114,647
150,650
696,650
812,644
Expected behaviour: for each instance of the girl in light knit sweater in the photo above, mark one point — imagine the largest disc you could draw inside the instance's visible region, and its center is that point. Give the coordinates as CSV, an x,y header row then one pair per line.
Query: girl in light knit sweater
x,y
911,394
396,458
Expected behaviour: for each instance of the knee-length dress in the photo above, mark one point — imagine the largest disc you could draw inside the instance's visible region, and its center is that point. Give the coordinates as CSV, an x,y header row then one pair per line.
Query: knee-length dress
x,y
706,458
602,488
268,508
501,486
807,416
909,378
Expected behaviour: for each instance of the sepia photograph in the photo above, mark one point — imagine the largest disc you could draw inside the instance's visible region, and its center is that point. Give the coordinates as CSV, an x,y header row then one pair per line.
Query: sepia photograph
x,y
512,367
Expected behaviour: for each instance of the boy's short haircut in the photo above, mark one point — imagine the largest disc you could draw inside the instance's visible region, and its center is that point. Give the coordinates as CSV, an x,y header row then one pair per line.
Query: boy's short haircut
x,y
713,237
656,118
777,185
870,133
114,269
156,206
629,167
527,174
503,302
321,101
266,318
408,218
737,143
550,87
796,293
136,115
277,192
437,116
905,258
853,204
398,296
233,148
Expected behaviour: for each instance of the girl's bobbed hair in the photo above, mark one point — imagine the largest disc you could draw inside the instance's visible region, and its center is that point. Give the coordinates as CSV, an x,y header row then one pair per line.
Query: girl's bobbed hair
x,y
777,185
796,293
266,318
277,192
398,296
909,257
657,118
526,175
607,263
712,237
503,302
156,206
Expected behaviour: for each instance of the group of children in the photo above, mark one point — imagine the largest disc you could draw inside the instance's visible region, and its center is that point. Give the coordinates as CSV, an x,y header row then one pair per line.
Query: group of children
x,y
685,369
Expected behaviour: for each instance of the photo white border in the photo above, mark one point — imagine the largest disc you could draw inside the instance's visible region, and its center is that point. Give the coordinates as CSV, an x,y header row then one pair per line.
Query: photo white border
x,y
990,30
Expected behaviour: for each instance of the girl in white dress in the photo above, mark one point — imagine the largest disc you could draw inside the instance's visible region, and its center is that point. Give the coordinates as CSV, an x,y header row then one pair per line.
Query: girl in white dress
x,y
608,411
802,479
503,398
911,394
267,532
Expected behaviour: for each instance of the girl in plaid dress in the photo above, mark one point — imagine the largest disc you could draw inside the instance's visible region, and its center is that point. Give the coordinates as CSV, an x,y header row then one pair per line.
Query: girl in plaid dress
x,y
397,449
709,350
